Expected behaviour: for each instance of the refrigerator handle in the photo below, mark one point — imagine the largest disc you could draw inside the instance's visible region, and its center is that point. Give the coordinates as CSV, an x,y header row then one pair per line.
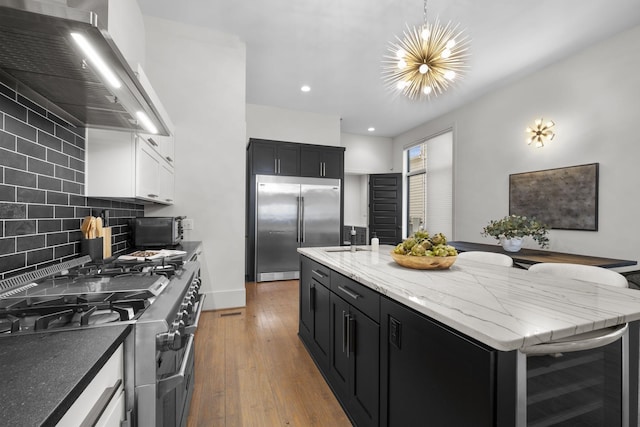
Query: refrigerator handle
x,y
298,221
302,227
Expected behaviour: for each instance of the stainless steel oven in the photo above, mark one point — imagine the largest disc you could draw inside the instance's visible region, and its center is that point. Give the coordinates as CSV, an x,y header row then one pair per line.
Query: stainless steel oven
x,y
160,298
165,348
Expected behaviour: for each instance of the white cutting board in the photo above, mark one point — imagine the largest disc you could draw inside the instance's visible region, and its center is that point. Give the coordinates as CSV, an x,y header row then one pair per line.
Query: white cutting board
x,y
162,253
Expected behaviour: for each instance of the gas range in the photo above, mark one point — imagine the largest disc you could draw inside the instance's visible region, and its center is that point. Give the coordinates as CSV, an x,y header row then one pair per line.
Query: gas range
x,y
87,294
159,297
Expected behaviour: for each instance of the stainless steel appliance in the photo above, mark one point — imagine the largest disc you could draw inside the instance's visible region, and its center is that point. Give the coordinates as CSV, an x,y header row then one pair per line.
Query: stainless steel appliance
x,y
41,58
156,231
589,387
159,297
293,212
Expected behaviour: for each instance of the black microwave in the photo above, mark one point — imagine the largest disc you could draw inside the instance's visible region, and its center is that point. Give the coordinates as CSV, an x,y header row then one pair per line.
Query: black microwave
x,y
157,231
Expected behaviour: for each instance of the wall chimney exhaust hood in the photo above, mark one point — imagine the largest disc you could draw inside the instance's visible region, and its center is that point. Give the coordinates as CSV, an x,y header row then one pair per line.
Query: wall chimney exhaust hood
x,y
40,59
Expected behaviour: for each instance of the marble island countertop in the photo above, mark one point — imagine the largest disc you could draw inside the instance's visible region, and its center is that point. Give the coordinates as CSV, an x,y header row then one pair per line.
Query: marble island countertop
x,y
504,307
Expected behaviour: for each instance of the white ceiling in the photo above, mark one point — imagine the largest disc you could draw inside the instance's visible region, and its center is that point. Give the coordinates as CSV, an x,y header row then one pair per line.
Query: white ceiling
x,y
336,47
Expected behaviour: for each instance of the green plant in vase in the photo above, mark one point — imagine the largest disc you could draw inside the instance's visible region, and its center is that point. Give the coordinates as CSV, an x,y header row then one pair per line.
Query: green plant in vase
x,y
516,227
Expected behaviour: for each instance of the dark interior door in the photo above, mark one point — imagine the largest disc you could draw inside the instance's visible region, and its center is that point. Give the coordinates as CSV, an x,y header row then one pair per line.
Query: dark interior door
x,y
385,207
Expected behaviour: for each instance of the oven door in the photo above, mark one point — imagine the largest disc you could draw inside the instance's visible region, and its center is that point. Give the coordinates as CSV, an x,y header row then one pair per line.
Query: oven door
x,y
175,386
175,378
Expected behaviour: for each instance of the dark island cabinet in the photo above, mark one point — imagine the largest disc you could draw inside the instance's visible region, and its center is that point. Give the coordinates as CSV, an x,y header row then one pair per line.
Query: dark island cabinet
x,y
315,311
389,365
322,161
274,158
430,372
343,341
355,362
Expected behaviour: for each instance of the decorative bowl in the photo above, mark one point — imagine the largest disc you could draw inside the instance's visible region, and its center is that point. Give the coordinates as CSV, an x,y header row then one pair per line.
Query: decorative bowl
x,y
424,262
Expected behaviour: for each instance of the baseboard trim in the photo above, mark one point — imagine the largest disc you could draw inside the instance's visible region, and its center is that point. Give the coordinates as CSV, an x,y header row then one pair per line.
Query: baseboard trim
x,y
219,300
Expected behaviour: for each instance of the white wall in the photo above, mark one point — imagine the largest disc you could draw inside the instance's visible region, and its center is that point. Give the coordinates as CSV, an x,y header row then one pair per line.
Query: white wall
x,y
593,98
365,154
279,124
356,207
199,75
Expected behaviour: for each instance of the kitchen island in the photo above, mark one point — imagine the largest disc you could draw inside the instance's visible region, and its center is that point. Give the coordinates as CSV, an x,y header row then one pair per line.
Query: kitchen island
x,y
469,320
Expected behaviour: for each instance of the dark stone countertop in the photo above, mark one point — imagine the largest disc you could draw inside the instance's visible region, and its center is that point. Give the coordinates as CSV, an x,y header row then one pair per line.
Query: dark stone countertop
x,y
44,373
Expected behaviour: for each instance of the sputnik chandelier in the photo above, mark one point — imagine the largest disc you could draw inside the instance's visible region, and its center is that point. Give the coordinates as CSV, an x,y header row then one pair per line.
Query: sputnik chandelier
x,y
540,133
426,60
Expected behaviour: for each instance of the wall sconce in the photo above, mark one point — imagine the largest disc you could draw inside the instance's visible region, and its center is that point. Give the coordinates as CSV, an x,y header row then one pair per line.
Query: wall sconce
x,y
540,133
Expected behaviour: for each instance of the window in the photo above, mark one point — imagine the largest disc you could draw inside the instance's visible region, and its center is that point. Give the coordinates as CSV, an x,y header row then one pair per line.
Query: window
x,y
416,187
429,183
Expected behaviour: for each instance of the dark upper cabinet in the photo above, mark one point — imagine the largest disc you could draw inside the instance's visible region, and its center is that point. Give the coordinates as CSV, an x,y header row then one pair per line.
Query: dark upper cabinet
x,y
322,162
274,158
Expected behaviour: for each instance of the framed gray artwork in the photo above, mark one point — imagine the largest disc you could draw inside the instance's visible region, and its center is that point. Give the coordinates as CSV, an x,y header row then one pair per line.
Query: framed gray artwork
x,y
562,198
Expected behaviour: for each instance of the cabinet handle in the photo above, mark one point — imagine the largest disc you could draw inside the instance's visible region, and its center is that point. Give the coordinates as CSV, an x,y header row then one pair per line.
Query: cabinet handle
x,y
152,142
320,168
275,166
169,159
312,300
324,169
168,200
319,273
349,292
101,404
279,167
345,315
350,334
152,195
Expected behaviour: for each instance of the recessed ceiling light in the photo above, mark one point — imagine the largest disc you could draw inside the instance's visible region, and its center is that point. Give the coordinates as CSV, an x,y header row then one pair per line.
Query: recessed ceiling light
x,y
371,129
305,88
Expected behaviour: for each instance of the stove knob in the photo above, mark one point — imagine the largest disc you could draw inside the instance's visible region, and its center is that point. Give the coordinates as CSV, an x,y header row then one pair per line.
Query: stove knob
x,y
177,342
187,306
178,326
184,316
164,341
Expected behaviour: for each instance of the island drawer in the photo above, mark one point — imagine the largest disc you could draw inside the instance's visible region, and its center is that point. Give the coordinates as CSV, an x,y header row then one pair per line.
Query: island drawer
x,y
363,298
319,272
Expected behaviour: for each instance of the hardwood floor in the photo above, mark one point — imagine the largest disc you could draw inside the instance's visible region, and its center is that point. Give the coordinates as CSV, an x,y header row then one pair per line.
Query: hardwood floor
x,y
252,369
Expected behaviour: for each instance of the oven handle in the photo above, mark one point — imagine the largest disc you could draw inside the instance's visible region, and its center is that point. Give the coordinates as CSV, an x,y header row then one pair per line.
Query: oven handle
x,y
165,385
191,329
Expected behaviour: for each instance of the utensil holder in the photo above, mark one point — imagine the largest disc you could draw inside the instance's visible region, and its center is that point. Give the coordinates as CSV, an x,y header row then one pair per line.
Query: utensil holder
x,y
93,248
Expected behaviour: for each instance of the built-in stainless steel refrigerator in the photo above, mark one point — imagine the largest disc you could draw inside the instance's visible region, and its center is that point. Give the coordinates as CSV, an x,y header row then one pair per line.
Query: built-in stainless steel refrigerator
x,y
293,212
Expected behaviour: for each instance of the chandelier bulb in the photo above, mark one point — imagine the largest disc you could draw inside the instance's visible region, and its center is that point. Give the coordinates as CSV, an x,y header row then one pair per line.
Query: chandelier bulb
x,y
423,69
402,84
425,33
445,53
451,43
402,64
426,90
400,53
450,75
538,122
550,123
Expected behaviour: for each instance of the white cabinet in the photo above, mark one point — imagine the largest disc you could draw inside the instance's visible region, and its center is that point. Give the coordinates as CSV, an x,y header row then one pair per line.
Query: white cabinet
x,y
147,171
163,144
166,183
102,403
123,165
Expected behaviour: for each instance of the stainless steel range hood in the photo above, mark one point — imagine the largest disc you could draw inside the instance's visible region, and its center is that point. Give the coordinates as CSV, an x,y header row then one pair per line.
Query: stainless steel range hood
x,y
40,60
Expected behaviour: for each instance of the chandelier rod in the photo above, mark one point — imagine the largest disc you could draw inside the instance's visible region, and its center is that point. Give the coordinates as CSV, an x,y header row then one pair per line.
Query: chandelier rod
x,y
424,19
